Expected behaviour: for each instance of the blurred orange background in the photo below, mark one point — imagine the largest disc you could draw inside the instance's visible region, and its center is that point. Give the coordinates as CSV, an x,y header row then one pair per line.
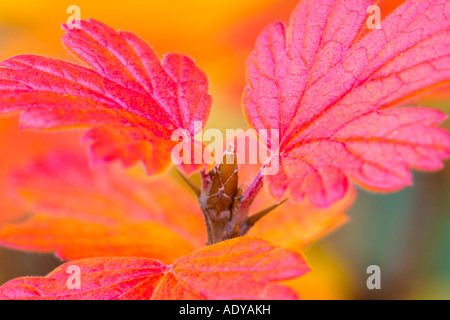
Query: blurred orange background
x,y
407,234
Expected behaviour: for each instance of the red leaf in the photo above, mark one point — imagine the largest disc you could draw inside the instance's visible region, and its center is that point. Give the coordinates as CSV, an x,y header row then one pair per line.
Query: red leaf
x,y
327,90
83,213
132,100
207,273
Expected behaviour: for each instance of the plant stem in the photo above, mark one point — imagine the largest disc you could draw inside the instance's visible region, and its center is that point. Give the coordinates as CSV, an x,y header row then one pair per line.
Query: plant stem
x,y
224,204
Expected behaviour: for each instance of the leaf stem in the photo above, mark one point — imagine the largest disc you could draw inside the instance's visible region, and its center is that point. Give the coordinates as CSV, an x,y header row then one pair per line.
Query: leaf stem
x,y
193,187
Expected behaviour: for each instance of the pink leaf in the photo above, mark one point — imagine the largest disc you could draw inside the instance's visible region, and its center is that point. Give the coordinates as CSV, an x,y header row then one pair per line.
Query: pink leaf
x,y
326,85
131,99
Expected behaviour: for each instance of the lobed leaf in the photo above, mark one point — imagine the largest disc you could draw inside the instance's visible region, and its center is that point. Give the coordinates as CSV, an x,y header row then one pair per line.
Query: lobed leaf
x,y
207,273
328,86
131,100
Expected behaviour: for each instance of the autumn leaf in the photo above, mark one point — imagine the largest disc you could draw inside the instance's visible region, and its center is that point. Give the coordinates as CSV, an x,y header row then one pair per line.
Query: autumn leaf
x,y
208,273
79,212
298,225
292,225
24,146
130,100
330,93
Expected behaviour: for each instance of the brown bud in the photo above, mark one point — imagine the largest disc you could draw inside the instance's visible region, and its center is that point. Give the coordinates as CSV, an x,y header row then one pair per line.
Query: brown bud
x,y
224,183
226,206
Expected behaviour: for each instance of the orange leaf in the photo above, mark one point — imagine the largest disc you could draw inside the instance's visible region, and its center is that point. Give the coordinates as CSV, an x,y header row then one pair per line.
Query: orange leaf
x,y
15,151
208,273
295,226
82,213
